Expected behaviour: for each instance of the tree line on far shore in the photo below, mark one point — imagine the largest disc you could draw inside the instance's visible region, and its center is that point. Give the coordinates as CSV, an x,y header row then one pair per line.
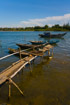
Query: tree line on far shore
x,y
56,27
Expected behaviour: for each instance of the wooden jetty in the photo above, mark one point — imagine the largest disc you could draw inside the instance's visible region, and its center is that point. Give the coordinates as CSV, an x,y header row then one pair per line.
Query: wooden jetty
x,y
11,71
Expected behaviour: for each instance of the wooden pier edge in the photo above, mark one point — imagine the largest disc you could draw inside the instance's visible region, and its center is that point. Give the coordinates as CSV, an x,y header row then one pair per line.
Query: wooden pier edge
x,y
12,70
22,67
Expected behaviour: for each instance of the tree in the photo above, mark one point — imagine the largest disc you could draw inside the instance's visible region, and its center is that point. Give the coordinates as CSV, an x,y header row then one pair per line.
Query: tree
x,y
46,26
56,26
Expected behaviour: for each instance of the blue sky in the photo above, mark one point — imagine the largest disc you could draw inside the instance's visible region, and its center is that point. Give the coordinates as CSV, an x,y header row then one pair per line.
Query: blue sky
x,y
22,13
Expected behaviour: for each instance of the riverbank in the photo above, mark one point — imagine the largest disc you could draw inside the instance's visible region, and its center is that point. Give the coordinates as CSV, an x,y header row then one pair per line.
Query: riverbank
x,y
34,30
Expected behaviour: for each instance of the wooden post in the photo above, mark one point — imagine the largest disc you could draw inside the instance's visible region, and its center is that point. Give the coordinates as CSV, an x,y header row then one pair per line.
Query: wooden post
x,y
16,86
30,66
9,90
48,52
33,61
33,48
20,52
22,70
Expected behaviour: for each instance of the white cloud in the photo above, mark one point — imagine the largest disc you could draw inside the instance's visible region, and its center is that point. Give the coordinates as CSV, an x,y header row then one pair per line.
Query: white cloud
x,y
48,20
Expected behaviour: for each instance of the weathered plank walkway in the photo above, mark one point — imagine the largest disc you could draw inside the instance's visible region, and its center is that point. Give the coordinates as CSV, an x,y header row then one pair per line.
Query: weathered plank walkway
x,y
12,70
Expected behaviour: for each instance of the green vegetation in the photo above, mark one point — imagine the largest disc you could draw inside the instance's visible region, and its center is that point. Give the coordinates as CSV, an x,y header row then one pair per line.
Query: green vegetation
x,y
57,27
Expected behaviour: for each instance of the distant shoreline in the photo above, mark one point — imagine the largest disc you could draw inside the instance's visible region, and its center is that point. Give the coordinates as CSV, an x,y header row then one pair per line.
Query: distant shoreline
x,y
36,31
56,27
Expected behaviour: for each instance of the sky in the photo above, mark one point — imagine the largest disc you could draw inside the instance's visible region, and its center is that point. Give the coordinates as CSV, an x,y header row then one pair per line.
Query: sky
x,y
28,13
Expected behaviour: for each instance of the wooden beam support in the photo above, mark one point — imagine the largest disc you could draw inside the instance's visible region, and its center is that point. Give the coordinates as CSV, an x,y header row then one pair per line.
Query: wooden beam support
x,y
30,66
11,81
48,52
20,52
9,95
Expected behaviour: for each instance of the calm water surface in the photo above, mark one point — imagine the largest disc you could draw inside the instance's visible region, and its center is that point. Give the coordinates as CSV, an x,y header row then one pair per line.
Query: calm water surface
x,y
49,82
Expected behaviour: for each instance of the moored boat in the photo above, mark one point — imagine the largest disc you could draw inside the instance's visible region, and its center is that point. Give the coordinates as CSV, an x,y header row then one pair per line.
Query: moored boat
x,y
24,46
51,41
38,42
49,35
29,46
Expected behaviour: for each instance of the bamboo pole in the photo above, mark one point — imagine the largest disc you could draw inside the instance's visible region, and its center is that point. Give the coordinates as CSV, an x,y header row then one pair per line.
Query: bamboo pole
x,y
12,54
16,86
48,52
33,61
9,89
30,66
20,52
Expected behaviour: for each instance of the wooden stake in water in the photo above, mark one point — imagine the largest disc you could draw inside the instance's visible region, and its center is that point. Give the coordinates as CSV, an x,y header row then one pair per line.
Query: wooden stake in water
x,y
48,52
11,81
20,52
30,66
9,89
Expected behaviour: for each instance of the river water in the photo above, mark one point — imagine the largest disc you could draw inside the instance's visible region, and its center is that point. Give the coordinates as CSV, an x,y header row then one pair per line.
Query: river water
x,y
49,82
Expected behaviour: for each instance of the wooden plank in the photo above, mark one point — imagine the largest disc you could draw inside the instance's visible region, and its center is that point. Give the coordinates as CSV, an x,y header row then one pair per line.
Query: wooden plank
x,y
13,70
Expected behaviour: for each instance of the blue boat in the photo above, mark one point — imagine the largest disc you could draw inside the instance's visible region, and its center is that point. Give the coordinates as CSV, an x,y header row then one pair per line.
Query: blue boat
x,y
45,42
49,35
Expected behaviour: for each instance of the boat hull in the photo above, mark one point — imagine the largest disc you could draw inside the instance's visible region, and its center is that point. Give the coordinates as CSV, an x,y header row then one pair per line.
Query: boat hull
x,y
52,35
24,46
37,42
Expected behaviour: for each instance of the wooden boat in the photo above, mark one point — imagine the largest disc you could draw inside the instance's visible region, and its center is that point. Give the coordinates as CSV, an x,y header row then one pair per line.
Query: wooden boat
x,y
49,35
35,52
38,42
29,46
24,46
43,42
